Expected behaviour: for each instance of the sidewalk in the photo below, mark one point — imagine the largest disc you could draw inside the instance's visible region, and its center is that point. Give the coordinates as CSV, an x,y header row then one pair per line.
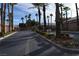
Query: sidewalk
x,y
71,31
7,36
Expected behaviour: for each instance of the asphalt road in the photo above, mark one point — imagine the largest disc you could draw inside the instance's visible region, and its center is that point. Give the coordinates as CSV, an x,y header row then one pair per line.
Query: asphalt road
x,y
28,43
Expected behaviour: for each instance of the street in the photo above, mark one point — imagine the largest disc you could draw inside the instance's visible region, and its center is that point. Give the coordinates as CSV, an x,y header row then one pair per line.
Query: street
x,y
28,43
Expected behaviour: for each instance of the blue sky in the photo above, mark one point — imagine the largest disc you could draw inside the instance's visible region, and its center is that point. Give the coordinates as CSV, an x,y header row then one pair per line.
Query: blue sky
x,y
22,9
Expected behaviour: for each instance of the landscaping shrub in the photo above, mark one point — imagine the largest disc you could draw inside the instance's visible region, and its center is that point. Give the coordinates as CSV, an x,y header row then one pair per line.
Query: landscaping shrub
x,y
1,34
64,39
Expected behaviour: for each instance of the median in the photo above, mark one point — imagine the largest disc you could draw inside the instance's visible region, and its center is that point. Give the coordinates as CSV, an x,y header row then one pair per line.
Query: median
x,y
63,42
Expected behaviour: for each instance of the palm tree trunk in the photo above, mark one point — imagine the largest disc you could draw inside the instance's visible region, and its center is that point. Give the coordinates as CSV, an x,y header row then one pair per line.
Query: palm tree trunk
x,y
61,19
58,30
9,16
4,12
12,17
37,18
48,22
44,17
66,21
39,14
26,19
77,16
51,22
2,18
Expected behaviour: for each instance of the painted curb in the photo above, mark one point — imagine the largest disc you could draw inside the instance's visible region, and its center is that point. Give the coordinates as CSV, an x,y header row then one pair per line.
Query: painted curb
x,y
7,35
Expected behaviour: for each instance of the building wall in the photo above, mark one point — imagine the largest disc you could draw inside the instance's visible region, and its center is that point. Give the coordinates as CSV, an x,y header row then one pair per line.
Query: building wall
x,y
72,25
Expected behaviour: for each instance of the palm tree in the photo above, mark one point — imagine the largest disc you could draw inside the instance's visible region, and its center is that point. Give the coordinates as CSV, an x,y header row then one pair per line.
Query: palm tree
x,y
61,7
58,30
2,18
12,13
38,5
51,19
26,17
64,15
9,16
48,20
29,17
22,19
66,9
36,17
77,16
44,16
4,14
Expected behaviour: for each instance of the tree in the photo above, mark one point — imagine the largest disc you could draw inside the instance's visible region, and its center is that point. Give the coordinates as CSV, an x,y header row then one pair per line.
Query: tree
x,y
31,22
38,5
44,16
48,20
29,17
64,15
2,18
66,9
58,30
77,16
12,14
36,17
9,16
26,17
22,19
51,19
61,8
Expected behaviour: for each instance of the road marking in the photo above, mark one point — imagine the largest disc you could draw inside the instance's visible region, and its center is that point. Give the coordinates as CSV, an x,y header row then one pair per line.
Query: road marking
x,y
7,35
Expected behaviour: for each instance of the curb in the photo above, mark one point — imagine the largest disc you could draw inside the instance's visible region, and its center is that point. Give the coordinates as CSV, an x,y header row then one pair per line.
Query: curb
x,y
69,50
7,35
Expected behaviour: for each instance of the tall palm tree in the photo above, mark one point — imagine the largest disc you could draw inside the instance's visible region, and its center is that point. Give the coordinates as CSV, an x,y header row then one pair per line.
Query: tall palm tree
x,y
77,16
9,16
12,14
66,9
64,15
61,7
4,14
58,30
26,17
22,19
48,20
2,18
29,17
38,5
44,16
51,19
36,17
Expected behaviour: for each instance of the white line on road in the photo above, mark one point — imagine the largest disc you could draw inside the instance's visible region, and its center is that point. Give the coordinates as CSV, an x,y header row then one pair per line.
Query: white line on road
x,y
7,35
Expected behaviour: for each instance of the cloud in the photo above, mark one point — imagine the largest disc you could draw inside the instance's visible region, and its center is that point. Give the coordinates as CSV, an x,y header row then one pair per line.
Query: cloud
x,y
21,9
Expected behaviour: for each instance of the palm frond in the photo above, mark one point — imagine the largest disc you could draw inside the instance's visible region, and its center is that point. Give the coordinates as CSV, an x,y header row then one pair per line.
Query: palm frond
x,y
31,7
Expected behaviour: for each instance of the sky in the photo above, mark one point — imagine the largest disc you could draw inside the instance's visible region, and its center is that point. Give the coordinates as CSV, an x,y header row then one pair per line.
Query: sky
x,y
22,9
